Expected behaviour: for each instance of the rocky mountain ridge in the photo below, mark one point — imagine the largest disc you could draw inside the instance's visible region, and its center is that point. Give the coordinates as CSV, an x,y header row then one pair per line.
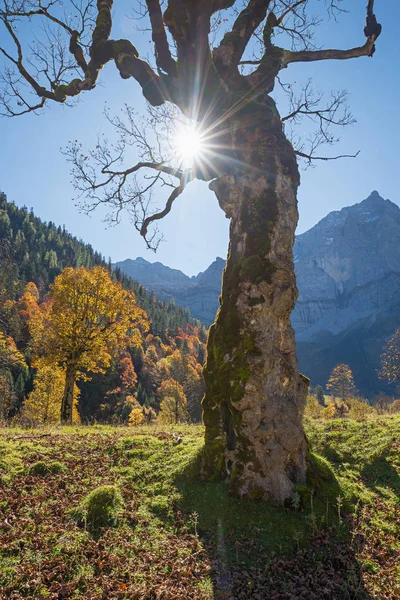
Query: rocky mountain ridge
x,y
199,293
348,276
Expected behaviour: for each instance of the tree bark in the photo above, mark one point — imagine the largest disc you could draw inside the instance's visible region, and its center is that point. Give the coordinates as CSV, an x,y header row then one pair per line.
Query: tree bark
x,y
255,397
68,396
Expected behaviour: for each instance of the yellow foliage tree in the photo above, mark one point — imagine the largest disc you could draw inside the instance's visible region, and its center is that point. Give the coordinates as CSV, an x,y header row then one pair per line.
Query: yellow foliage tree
x,y
390,359
87,317
43,404
173,405
136,417
10,357
341,382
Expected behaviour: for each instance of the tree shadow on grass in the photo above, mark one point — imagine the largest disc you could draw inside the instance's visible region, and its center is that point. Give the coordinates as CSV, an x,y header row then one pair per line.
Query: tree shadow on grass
x,y
380,473
264,552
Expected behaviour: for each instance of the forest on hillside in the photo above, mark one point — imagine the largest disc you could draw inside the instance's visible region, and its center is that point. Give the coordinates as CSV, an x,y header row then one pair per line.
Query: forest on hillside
x,y
32,255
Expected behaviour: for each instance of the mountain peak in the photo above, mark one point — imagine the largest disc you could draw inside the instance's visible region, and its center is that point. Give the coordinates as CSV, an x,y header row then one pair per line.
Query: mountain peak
x,y
375,203
374,198
375,195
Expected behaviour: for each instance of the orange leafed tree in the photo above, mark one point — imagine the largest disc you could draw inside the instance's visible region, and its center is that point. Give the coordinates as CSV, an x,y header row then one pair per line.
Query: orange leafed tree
x,y
341,382
86,318
10,357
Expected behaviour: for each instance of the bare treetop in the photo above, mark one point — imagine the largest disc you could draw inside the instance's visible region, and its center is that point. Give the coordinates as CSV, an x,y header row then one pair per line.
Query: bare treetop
x,y
201,65
73,43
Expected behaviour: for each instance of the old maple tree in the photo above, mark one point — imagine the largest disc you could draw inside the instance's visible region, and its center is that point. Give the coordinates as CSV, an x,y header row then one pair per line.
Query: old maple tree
x,y
80,328
255,397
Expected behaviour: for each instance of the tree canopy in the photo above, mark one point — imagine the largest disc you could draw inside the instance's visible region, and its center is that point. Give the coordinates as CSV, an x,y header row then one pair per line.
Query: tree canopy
x,y
87,317
341,382
107,396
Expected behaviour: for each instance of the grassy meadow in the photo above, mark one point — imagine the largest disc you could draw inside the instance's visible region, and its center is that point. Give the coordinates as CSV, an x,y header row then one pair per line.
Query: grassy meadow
x,y
104,513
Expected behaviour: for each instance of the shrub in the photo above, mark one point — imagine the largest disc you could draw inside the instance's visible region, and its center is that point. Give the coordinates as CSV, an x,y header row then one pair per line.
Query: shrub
x,y
136,417
330,411
336,410
102,507
42,468
313,407
359,409
395,406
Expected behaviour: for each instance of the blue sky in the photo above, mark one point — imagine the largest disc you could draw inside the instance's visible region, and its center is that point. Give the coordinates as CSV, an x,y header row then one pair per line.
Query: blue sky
x,y
33,172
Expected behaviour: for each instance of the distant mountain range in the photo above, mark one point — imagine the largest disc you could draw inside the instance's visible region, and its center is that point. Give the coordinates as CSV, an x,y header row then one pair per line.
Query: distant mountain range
x,y
348,275
198,293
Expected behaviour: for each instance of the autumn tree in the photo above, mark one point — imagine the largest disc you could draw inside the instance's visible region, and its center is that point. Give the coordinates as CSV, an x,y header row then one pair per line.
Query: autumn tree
x,y
180,368
390,359
136,416
119,400
19,312
43,404
10,360
173,403
216,62
341,382
80,328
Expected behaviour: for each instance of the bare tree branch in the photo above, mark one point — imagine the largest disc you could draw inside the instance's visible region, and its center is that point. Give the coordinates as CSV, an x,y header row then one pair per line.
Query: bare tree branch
x,y
372,31
100,176
164,58
102,50
310,158
289,9
308,108
309,56
185,179
230,51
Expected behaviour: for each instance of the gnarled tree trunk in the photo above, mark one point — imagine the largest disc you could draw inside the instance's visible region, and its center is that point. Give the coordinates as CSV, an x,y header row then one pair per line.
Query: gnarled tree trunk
x,y
255,397
68,396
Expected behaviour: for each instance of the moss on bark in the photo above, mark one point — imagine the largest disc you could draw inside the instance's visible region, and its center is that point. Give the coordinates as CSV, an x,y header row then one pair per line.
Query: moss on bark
x,y
248,194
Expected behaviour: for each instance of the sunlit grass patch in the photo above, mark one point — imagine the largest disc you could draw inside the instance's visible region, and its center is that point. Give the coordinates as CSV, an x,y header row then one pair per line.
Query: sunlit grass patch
x,y
172,525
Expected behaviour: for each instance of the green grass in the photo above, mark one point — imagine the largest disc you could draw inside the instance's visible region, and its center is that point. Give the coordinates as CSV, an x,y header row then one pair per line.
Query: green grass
x,y
177,533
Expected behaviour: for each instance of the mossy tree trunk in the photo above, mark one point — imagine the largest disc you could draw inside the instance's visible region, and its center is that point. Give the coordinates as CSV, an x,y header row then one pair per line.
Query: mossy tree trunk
x,y
68,396
255,397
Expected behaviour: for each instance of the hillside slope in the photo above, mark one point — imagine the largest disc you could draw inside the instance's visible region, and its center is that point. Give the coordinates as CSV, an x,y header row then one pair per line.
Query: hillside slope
x,y
34,251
